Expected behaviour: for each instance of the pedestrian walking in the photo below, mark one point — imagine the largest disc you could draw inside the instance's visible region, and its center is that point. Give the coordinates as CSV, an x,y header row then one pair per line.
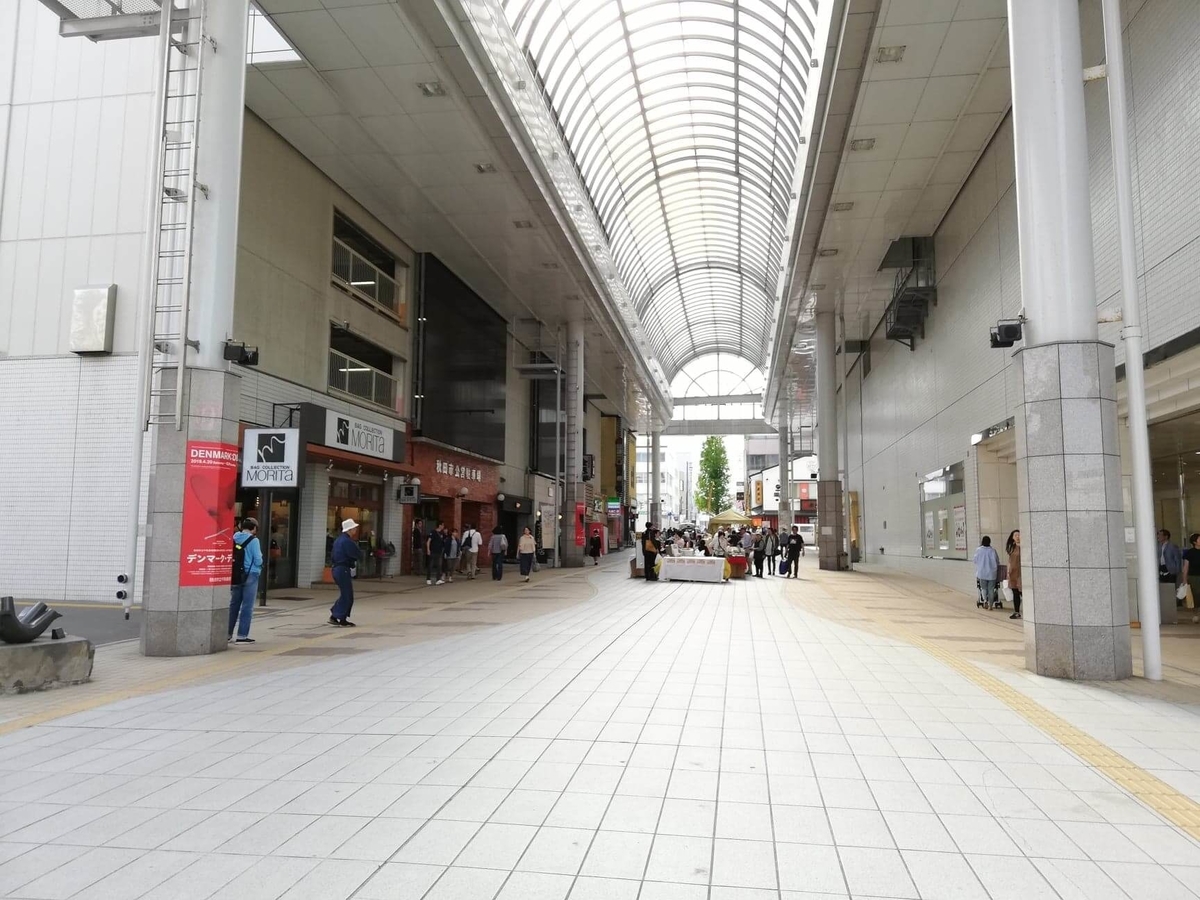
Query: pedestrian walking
x,y
435,546
760,554
450,554
794,548
1170,560
594,547
987,564
498,548
344,557
418,548
1013,547
650,548
471,539
526,548
1190,575
771,551
243,577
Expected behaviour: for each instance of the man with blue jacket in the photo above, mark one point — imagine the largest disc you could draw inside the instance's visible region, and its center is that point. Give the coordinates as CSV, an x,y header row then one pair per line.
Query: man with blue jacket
x,y
242,594
344,558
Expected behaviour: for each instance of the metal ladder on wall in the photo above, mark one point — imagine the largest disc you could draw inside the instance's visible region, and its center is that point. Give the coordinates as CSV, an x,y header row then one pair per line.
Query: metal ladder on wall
x,y
171,256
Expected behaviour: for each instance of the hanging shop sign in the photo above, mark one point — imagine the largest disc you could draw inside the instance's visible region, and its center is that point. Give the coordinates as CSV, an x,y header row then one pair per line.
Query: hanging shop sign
x,y
206,532
357,435
613,507
580,528
271,458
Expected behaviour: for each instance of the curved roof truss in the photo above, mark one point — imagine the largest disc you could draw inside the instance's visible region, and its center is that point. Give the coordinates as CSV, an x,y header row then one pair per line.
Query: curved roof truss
x,y
686,118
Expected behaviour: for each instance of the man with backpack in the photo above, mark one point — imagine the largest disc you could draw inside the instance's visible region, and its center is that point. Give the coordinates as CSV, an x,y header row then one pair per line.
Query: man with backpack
x,y
470,552
243,579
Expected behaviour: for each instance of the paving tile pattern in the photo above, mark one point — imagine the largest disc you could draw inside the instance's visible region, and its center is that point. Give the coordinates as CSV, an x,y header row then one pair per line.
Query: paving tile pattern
x,y
658,742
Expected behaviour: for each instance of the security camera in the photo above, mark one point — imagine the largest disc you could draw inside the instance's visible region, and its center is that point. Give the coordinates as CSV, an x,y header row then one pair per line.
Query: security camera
x,y
1006,333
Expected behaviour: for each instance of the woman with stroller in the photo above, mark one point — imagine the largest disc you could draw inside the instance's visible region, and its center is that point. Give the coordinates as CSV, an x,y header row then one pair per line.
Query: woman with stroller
x,y
987,565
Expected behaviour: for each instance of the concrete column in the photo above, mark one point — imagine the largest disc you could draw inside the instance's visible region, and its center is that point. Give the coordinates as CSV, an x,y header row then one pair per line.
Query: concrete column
x,y
655,512
1068,464
191,620
178,620
575,492
830,512
785,468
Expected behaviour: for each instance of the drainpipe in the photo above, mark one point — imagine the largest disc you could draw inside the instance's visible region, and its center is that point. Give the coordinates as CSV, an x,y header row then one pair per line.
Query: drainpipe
x,y
1131,336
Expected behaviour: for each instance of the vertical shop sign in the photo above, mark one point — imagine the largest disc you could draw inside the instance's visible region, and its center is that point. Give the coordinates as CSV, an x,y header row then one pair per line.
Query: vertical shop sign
x,y
206,535
580,512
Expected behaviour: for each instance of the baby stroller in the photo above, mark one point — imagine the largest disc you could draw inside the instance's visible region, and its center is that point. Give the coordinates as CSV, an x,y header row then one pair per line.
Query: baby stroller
x,y
983,601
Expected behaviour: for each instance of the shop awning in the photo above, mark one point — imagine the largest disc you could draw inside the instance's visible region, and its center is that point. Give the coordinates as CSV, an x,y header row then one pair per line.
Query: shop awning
x,y
368,463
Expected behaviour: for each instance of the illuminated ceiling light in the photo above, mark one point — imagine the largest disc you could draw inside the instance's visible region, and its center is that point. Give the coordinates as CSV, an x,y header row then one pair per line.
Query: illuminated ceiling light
x,y
485,168
432,88
843,206
827,252
860,144
891,54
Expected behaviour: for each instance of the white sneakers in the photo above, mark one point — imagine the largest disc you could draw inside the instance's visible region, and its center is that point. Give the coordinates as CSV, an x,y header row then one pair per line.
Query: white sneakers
x,y
427,581
441,581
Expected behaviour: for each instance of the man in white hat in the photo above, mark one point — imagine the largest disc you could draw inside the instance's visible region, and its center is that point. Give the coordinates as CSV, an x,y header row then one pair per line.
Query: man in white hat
x,y
345,557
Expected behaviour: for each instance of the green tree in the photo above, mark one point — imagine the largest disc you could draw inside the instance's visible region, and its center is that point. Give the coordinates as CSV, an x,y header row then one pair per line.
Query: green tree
x,y
712,482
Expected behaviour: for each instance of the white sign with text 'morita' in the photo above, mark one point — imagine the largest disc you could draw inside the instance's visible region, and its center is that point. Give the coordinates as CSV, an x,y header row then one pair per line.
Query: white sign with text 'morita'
x,y
271,458
346,432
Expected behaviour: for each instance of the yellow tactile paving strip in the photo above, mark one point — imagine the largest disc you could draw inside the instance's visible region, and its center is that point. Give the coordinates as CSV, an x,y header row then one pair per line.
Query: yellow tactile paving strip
x,y
142,676
1150,790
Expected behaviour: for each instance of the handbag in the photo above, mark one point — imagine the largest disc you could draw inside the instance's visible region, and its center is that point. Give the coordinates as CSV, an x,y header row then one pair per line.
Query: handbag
x,y
1181,592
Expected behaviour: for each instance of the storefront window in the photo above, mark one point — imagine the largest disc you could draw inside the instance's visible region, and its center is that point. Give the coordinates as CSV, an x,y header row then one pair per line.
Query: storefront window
x,y
944,513
362,502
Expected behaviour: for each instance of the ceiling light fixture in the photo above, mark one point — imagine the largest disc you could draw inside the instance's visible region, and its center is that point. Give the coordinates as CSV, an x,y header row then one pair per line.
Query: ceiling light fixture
x,y
860,144
891,54
828,251
485,168
522,223
549,265
843,206
818,287
432,88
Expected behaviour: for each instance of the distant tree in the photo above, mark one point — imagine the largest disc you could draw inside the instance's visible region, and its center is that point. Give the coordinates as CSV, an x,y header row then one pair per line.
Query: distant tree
x,y
712,482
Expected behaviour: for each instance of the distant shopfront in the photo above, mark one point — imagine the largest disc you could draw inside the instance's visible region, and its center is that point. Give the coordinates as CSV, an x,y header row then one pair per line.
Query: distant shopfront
x,y
456,488
345,467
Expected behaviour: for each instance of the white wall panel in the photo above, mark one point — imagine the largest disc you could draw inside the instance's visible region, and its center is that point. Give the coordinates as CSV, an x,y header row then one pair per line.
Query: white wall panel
x,y
919,409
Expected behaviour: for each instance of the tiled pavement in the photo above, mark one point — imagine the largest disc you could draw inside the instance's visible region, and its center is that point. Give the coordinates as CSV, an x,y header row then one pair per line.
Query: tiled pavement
x,y
658,741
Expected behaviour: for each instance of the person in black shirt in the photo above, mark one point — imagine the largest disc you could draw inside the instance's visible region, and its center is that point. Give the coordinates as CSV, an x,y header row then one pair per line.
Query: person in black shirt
x,y
650,549
795,545
435,548
1191,566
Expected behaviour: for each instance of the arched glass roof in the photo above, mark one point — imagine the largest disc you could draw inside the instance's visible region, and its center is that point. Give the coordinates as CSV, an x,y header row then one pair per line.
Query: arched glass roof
x,y
718,375
685,117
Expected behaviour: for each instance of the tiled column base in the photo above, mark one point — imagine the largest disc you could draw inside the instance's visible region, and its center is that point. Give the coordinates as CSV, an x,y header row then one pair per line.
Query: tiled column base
x,y
1069,484
830,524
185,621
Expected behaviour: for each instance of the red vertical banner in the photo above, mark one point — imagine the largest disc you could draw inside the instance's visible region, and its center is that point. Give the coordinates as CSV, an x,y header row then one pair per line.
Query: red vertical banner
x,y
206,536
580,528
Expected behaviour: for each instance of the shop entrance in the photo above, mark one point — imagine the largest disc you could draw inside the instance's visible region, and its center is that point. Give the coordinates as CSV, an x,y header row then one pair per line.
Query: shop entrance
x,y
361,501
276,531
1175,469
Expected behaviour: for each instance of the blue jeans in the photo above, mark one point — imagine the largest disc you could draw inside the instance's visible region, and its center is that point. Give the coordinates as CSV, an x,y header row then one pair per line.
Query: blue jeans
x,y
345,601
497,566
241,604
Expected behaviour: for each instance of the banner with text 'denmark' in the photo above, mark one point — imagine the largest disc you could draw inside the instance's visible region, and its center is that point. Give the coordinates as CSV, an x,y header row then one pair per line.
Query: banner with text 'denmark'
x,y
206,533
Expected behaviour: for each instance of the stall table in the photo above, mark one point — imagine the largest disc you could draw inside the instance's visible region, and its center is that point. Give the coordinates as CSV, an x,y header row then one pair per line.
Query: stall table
x,y
693,568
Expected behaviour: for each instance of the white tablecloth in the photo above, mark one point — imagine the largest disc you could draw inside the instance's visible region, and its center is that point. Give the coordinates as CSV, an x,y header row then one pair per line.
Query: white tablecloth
x,y
692,568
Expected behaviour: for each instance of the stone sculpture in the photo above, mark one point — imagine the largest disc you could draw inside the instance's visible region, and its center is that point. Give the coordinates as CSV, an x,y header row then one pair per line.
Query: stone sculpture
x,y
28,625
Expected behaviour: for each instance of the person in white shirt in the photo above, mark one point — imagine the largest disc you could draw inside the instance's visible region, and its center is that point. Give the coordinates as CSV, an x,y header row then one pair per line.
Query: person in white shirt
x,y
471,540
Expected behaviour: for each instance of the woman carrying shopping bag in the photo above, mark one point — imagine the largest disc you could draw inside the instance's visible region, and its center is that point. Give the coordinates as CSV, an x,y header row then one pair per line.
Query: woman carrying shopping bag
x,y
1013,547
